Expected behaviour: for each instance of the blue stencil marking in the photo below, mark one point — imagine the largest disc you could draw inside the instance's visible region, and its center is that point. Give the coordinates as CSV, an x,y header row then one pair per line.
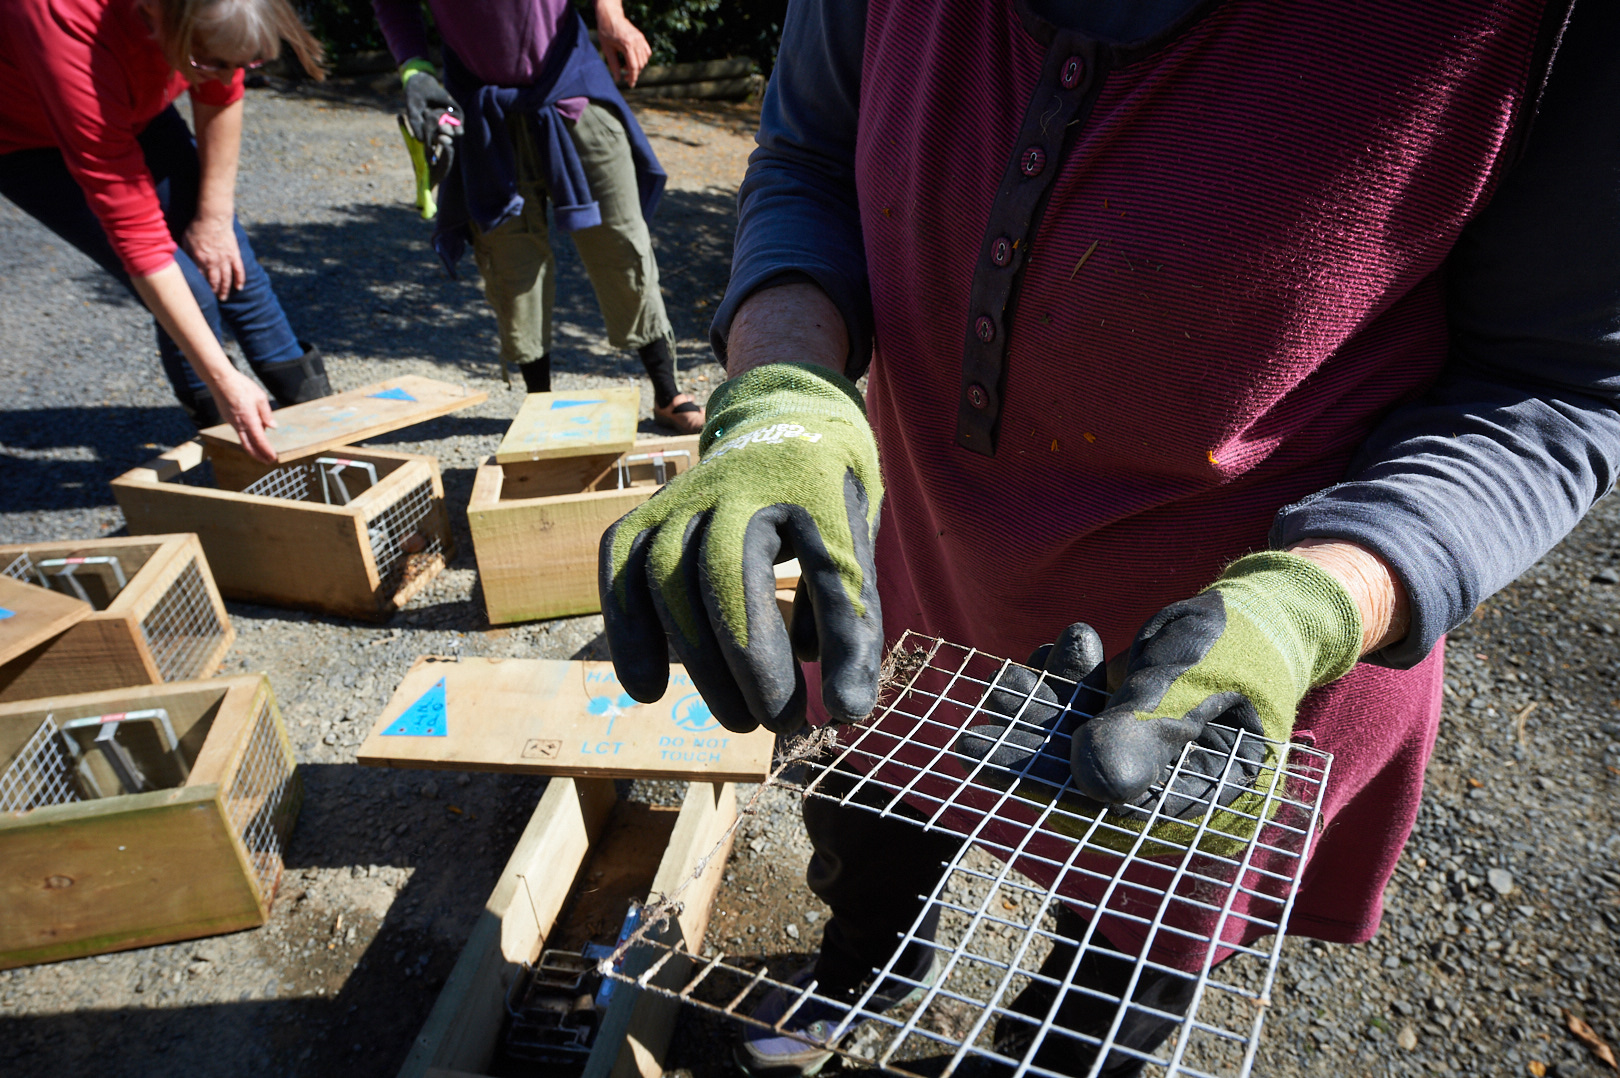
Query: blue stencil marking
x,y
691,713
425,718
604,705
573,404
393,395
4,613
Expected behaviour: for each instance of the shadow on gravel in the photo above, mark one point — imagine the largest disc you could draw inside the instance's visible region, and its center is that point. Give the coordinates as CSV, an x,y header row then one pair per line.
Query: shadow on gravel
x,y
370,285
366,822
109,441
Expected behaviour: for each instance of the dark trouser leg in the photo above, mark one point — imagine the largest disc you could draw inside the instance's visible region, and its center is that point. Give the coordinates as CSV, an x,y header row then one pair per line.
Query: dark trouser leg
x,y
39,183
1108,971
874,871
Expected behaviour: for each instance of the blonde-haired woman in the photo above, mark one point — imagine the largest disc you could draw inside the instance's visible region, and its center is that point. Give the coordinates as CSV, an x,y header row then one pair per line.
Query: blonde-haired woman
x,y
92,147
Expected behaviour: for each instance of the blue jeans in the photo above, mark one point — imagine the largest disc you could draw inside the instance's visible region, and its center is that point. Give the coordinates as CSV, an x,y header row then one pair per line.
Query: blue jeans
x,y
39,183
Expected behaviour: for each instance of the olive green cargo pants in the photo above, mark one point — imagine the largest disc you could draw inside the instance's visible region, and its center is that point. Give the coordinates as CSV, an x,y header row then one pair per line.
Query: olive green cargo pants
x,y
520,270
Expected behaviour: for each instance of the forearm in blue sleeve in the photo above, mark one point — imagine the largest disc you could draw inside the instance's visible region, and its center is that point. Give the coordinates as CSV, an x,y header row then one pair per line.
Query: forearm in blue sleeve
x,y
796,210
402,28
1465,489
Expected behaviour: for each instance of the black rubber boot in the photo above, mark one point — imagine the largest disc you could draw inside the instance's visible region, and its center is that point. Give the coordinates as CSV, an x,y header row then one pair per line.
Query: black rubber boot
x,y
295,381
202,410
659,359
537,374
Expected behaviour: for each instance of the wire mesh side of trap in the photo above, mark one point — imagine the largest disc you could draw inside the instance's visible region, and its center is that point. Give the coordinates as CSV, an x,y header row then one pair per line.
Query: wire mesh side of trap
x,y
1198,904
183,629
260,796
40,774
21,568
404,538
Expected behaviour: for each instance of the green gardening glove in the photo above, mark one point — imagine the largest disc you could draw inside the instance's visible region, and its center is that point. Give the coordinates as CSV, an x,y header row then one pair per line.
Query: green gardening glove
x,y
788,468
1237,657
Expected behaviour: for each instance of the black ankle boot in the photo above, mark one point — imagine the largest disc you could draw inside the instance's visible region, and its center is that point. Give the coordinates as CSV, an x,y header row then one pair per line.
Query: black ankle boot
x,y
295,381
202,410
537,374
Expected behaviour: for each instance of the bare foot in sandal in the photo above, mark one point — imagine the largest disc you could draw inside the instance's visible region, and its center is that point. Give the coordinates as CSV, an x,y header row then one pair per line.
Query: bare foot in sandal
x,y
683,416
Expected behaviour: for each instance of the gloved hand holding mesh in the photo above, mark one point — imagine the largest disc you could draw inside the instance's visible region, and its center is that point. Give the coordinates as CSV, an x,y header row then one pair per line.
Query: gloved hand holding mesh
x,y
1239,656
788,468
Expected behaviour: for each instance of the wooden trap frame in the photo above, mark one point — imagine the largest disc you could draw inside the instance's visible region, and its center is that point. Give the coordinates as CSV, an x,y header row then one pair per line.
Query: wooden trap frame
x,y
328,527
197,853
569,466
156,615
274,538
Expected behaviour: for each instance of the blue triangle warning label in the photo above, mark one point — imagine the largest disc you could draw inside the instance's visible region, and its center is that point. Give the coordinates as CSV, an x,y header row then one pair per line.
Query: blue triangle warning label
x,y
425,718
395,394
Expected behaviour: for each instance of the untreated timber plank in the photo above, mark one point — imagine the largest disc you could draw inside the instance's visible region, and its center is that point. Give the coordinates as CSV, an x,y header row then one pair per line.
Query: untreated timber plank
x,y
31,615
556,717
462,1032
354,416
579,423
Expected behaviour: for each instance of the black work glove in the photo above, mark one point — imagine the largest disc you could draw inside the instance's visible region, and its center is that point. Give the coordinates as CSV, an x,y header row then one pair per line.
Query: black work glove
x,y
426,100
1031,711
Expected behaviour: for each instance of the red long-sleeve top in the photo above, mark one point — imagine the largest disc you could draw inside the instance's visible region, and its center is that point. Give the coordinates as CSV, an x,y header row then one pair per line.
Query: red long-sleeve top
x,y
86,77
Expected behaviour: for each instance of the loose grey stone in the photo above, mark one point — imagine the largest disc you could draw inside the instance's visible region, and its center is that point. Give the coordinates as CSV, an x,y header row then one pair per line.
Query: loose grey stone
x,y
1501,881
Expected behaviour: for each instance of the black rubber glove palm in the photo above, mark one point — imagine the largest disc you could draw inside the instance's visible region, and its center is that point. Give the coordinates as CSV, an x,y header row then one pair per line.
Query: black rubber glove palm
x,y
426,100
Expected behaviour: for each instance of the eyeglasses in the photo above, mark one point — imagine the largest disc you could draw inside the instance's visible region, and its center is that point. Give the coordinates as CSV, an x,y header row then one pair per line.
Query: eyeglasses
x,y
223,67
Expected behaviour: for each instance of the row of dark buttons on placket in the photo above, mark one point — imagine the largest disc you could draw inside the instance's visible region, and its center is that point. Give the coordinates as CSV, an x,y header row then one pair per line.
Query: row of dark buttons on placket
x,y
1031,164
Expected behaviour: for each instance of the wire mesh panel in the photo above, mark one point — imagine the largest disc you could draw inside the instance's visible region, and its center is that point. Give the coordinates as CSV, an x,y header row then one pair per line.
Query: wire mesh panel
x,y
182,629
403,538
1065,928
257,800
22,568
40,774
295,483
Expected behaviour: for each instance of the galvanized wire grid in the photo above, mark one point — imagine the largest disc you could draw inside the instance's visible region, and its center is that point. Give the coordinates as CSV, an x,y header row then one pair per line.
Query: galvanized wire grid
x,y
397,535
182,629
40,774
293,483
22,568
1208,896
256,801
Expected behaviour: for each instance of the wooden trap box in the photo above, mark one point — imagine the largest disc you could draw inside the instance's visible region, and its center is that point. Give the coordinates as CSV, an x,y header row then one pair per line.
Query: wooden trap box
x,y
80,877
556,717
569,466
272,536
582,860
150,613
341,530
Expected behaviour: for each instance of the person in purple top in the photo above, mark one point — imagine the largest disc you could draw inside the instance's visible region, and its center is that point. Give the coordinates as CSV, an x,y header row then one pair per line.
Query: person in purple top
x,y
544,120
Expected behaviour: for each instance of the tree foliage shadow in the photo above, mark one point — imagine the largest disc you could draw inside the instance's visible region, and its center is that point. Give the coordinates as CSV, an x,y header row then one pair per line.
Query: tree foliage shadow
x,y
369,284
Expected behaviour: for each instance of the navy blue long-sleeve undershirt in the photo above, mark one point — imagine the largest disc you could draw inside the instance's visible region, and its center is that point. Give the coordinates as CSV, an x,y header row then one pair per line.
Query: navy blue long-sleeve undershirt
x,y
1460,491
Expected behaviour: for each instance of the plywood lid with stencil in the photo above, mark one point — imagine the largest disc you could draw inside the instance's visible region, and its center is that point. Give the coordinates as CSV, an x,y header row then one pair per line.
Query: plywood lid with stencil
x,y
557,717
576,424
355,415
31,615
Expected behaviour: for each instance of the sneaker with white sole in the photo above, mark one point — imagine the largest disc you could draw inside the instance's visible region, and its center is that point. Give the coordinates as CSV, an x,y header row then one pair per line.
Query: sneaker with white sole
x,y
803,1045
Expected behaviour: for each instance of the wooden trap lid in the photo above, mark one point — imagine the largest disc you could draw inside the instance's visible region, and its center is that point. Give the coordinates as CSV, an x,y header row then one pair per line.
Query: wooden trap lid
x,y
556,717
583,423
31,615
354,416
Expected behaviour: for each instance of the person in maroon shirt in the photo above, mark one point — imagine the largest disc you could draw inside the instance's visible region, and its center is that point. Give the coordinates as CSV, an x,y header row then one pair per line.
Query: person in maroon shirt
x,y
92,147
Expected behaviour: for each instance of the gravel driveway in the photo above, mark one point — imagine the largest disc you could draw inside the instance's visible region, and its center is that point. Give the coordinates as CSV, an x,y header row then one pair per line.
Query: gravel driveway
x,y
1503,917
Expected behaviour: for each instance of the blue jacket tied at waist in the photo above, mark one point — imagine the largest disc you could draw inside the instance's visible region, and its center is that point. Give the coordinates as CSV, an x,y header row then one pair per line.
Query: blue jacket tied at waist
x,y
482,188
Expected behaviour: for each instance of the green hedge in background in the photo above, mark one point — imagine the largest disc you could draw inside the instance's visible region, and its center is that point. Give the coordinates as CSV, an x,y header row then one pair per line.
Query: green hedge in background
x,y
678,30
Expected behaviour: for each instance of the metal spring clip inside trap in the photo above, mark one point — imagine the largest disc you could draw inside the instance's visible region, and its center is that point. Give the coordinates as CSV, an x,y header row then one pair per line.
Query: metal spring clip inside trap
x,y
660,472
130,776
566,998
73,582
331,469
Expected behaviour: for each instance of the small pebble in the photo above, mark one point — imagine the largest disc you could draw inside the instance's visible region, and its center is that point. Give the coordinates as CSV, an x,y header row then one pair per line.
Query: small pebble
x,y
1407,1038
1501,881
